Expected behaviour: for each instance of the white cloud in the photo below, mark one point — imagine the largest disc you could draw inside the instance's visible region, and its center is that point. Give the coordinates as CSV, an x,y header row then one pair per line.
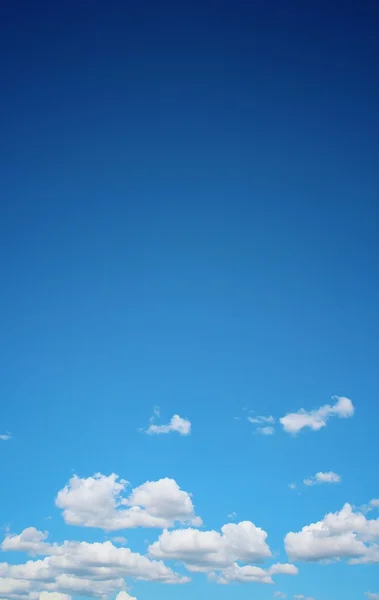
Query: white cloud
x,y
344,534
279,595
10,587
252,574
320,477
266,430
78,568
261,419
266,424
119,539
372,596
372,505
31,540
317,418
292,486
98,501
177,423
5,437
302,597
211,550
124,596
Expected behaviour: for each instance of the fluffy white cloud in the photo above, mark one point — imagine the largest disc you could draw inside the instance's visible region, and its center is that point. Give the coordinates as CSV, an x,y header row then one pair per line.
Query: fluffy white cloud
x,y
78,568
178,424
279,595
344,534
5,437
372,596
124,596
209,549
320,477
31,540
317,418
302,597
10,587
98,501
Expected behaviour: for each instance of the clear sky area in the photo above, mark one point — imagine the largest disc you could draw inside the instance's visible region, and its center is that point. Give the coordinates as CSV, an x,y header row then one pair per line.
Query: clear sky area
x,y
189,354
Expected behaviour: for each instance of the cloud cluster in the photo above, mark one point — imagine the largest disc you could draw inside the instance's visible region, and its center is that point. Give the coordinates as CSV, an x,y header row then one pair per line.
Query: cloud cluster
x,y
99,569
345,534
317,418
218,553
88,569
100,501
210,549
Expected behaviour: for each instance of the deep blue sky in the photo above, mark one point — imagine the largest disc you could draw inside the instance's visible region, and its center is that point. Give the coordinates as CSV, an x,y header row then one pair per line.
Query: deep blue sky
x,y
189,219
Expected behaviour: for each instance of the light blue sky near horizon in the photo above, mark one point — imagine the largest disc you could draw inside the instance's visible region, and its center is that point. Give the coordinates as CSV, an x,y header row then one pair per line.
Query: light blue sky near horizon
x,y
189,219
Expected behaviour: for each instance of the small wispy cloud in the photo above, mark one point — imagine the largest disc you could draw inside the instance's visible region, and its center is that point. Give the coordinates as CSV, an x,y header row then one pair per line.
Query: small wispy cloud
x,y
328,477
279,595
317,418
5,436
302,597
266,430
266,424
176,424
292,486
372,596
119,539
372,505
261,419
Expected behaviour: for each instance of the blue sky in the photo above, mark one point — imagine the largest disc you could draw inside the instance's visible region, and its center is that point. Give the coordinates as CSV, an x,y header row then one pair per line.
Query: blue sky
x,y
189,293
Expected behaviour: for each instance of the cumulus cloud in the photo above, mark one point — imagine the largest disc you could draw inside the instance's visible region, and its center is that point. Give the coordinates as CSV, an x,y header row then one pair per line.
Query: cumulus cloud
x,y
321,477
372,596
31,540
77,568
100,501
344,534
5,437
124,596
176,424
302,597
210,549
218,553
279,595
317,418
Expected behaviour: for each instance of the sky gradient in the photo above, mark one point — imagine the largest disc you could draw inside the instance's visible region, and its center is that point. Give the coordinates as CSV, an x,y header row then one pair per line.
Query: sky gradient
x,y
189,243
